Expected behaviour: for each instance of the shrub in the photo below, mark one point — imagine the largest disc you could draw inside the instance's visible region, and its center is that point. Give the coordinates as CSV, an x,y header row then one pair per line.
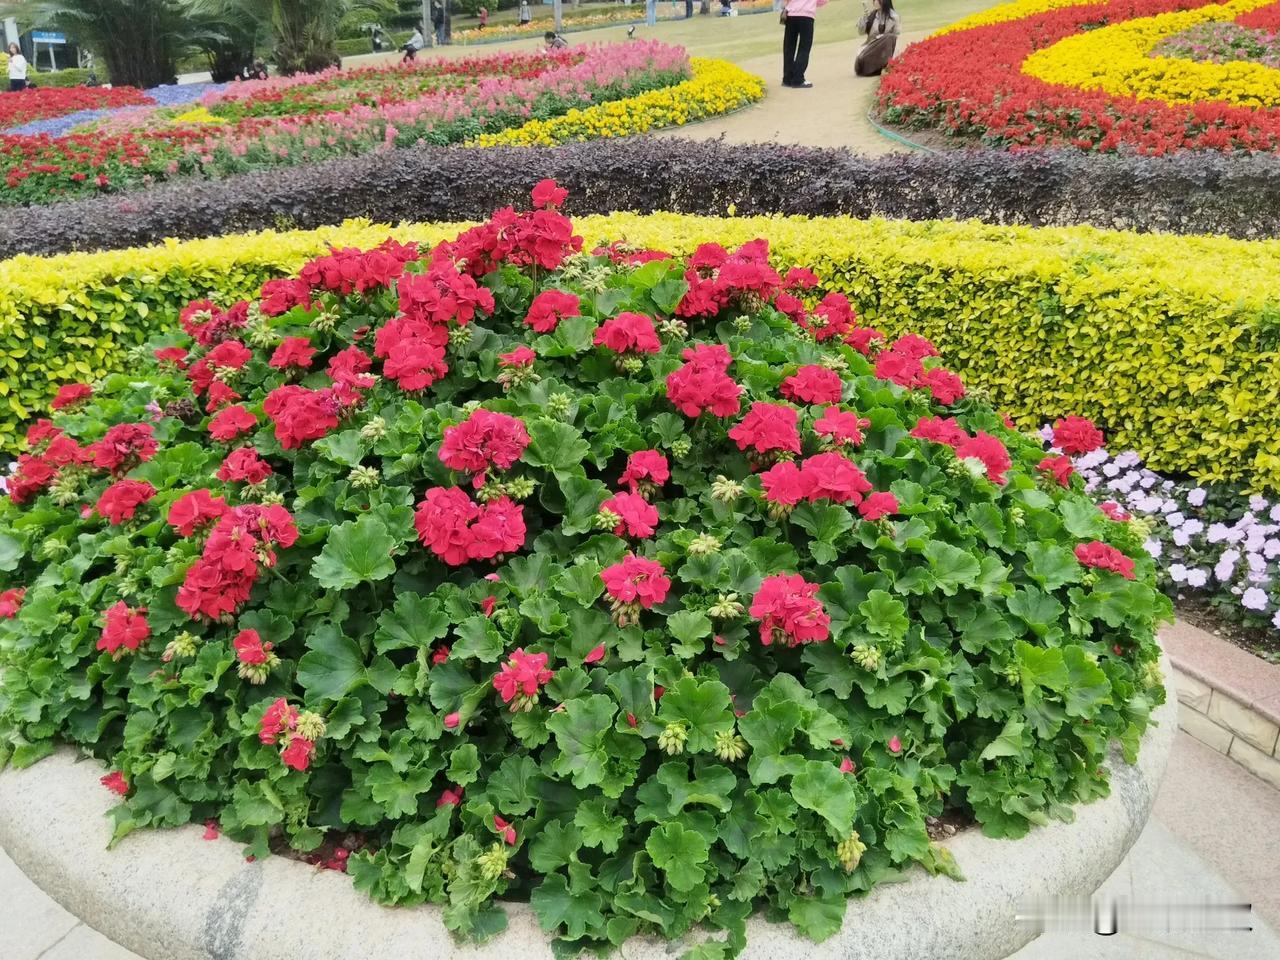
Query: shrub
x,y
1187,193
1177,364
651,591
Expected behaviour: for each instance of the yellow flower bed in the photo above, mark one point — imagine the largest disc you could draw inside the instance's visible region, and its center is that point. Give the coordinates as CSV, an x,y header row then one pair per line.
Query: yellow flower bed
x,y
1179,363
1117,60
716,87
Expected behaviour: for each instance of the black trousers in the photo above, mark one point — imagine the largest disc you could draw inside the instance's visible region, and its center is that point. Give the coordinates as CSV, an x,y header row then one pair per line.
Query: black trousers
x,y
16,85
797,38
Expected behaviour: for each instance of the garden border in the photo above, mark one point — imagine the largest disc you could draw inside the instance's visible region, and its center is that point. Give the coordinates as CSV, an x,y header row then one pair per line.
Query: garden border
x,y
1230,699
171,895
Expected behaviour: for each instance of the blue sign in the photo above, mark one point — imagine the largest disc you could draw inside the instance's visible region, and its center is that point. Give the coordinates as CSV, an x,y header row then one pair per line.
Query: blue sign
x,y
48,36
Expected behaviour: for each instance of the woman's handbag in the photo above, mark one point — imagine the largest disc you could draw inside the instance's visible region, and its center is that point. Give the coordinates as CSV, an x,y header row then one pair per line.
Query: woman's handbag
x,y
782,17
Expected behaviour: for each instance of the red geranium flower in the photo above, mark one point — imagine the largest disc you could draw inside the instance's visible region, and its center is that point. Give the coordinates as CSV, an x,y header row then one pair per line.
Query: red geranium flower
x,y
195,509
812,384
768,427
702,383
548,194
550,307
484,441
250,649
636,580
116,783
293,352
244,466
646,471
833,476
1103,556
945,386
125,629
628,333
789,611
279,719
230,422
71,394
297,755
523,675
11,602
785,484
120,501
944,430
844,429
1059,468
880,504
124,447
637,517
990,451
1076,435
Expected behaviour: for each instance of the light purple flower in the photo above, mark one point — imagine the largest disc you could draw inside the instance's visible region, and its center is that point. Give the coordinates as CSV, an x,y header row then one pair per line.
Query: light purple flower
x,y
1218,532
1111,469
1226,564
1182,538
1175,519
1092,459
1193,527
1271,549
1196,497
1178,573
1275,513
1154,547
1168,506
1128,459
1275,621
1197,578
1046,433
1257,503
1254,599
1148,481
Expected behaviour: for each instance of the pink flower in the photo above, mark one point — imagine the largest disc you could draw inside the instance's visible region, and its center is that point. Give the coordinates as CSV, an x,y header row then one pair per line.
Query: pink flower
x,y
895,745
298,753
843,428
1103,556
505,830
211,831
636,580
785,484
523,674
789,610
1059,468
637,517
645,469
483,441
116,783
1075,435
293,352
596,654
452,720
846,765
628,333
549,308
989,451
250,649
449,797
812,384
833,476
519,357
768,427
1114,511
882,503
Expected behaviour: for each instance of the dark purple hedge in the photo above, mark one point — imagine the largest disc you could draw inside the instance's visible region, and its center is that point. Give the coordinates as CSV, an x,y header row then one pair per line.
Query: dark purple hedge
x,y
1188,193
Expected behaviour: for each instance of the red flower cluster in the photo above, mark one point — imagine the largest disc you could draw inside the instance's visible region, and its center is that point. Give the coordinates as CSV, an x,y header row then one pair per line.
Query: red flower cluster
x,y
789,611
542,238
442,296
456,529
11,602
295,352
44,102
125,629
970,83
70,394
902,363
768,428
283,294
825,476
250,648
703,383
628,333
244,466
981,446
243,540
833,318
1103,556
550,307
646,471
812,384
194,510
116,783
280,723
1059,468
843,428
231,422
637,517
518,358
1114,511
205,323
120,501
1076,435
547,193
484,441
521,677
300,414
347,270
124,447
37,471
718,278
636,580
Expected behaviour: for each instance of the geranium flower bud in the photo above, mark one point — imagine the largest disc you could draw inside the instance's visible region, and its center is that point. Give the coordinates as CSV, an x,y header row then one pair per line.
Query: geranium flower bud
x,y
704,545
850,851
729,746
724,489
726,607
673,328
311,725
364,478
673,738
558,405
493,863
865,656
375,429
606,520
682,446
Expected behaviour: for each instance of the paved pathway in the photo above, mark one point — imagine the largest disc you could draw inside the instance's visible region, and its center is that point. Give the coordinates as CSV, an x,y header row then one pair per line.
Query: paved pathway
x,y
1213,836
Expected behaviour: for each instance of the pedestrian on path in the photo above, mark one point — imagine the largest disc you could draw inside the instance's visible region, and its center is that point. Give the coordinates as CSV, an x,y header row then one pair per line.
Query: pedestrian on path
x,y
881,25
437,21
797,39
413,45
17,69
526,15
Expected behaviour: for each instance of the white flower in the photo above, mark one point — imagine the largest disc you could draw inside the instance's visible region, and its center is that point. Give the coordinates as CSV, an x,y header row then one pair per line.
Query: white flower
x,y
1258,503
1111,469
1197,578
1275,621
1218,532
1275,513
1254,599
1154,547
1196,497
1178,573
1226,565
1175,519
1128,459
1182,538
1193,527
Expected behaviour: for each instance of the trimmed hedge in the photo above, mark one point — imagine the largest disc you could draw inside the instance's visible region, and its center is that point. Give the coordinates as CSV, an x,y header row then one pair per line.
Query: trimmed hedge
x,y
1235,196
1171,343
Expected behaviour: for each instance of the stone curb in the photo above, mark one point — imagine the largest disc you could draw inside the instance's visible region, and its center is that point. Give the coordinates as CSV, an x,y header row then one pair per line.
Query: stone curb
x,y
1230,699
169,895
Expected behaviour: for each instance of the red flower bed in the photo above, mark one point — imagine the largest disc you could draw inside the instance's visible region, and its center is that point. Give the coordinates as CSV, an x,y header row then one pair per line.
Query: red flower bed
x,y
45,102
970,84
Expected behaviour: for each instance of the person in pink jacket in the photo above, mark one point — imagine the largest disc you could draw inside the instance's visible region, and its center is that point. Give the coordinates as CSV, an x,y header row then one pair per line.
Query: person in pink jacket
x,y
797,38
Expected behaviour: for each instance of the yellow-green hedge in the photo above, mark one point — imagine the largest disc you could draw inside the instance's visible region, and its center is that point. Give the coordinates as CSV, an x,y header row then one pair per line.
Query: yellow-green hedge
x,y
1172,343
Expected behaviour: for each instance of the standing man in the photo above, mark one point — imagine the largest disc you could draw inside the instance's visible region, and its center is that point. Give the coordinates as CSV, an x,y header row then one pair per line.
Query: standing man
x,y
797,39
437,22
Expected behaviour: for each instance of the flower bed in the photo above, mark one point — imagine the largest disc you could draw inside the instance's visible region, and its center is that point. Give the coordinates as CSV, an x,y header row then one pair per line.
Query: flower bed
x,y
291,121
44,102
1218,42
649,590
1081,74
1177,364
716,88
575,21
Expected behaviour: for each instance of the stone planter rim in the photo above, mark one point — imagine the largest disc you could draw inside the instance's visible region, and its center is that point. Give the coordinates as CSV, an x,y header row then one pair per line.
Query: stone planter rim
x,y
169,895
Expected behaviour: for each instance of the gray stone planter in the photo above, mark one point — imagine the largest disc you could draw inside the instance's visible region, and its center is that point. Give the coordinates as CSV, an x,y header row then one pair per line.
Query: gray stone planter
x,y
172,896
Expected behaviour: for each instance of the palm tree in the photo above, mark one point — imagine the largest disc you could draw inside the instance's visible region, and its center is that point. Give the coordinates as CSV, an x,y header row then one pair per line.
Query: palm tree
x,y
140,41
306,30
230,33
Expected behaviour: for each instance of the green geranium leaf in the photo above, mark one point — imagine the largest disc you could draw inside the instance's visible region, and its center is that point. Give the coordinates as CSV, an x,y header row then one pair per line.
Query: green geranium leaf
x,y
356,552
1052,565
952,567
818,917
822,788
680,853
554,846
580,731
598,827
1011,742
478,638
703,706
1087,685
332,666
555,906
412,622
555,445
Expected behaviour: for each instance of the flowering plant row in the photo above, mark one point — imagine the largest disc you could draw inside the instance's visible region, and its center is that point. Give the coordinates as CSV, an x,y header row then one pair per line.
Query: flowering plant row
x,y
653,590
1221,42
717,87
1030,74
286,122
46,102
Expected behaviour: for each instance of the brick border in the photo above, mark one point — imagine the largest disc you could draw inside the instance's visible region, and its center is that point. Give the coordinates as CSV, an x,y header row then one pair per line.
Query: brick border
x,y
1228,698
